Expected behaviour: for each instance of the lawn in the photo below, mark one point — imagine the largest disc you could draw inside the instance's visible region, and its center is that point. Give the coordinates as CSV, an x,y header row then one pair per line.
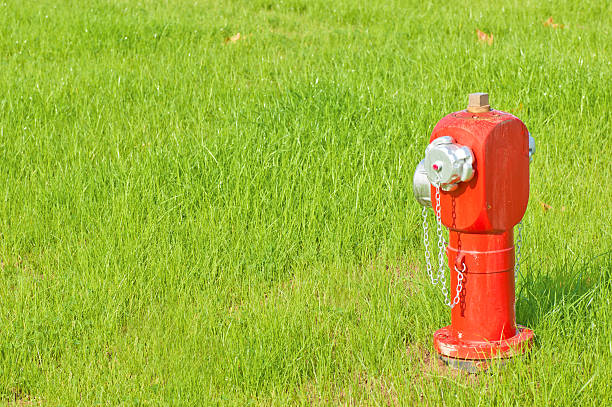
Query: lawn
x,y
194,217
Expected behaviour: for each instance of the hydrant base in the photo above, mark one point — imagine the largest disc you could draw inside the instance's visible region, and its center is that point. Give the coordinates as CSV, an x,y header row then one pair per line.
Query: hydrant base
x,y
450,346
473,366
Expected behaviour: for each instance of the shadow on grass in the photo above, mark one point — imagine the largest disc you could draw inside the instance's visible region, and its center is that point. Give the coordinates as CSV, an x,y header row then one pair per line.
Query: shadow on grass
x,y
548,286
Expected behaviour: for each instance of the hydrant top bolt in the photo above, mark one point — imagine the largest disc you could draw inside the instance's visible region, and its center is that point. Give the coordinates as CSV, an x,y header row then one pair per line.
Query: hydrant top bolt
x,y
478,103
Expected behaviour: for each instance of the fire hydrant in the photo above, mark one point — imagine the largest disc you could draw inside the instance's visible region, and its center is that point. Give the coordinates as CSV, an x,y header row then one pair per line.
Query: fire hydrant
x,y
475,176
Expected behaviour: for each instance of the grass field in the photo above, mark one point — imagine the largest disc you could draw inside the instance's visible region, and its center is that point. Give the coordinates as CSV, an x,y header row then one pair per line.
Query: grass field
x,y
191,220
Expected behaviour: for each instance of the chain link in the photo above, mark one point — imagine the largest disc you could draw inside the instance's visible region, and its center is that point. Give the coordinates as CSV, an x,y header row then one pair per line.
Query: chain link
x,y
439,277
459,286
434,280
441,245
518,244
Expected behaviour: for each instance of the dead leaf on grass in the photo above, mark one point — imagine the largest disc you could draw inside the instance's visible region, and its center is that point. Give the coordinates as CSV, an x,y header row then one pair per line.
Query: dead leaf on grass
x,y
484,37
233,38
550,23
546,207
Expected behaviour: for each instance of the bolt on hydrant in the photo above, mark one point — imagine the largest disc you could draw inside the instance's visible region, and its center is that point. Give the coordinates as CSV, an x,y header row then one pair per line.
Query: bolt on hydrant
x,y
475,176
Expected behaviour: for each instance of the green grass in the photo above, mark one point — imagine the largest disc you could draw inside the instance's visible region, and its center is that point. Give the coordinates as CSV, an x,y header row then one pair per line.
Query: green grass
x,y
185,221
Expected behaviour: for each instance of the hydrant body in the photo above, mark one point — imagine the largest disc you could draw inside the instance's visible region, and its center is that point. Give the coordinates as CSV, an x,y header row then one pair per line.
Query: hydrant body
x,y
480,210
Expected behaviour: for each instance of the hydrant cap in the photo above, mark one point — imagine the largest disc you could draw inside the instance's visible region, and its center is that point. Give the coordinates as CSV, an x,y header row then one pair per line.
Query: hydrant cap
x,y
447,163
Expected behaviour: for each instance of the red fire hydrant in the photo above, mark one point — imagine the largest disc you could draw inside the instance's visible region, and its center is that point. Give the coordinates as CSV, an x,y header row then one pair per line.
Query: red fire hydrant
x,y
475,175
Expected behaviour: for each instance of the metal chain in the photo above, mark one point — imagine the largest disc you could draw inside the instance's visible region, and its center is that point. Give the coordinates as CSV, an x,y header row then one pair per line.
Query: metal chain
x,y
441,245
439,278
459,286
518,244
434,280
